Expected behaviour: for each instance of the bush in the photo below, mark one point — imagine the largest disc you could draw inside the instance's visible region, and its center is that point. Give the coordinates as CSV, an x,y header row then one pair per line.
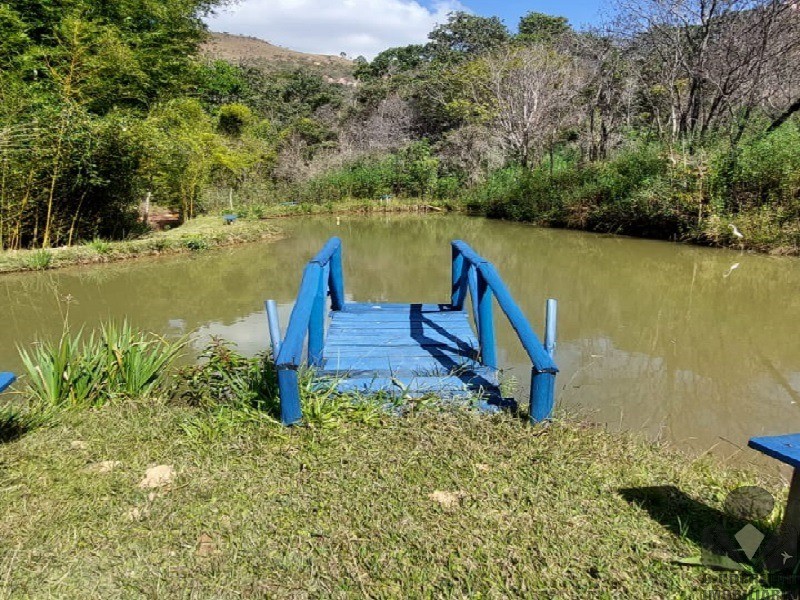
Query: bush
x,y
412,172
40,260
225,377
73,373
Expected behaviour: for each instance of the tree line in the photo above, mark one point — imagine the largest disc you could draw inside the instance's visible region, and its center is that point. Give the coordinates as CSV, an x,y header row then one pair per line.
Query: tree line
x,y
673,120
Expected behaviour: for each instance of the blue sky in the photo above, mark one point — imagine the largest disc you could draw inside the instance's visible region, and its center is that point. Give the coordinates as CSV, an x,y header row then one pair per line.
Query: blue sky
x,y
578,12
365,27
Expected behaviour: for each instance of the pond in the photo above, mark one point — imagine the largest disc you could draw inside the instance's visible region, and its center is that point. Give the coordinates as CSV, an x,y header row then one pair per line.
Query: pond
x,y
694,346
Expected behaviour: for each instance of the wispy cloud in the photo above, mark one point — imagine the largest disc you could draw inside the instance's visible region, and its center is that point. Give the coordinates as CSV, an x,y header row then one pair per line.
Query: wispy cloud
x,y
357,27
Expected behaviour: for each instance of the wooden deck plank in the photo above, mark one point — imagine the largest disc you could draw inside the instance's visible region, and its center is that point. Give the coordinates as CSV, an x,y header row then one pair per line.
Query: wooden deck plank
x,y
426,348
362,307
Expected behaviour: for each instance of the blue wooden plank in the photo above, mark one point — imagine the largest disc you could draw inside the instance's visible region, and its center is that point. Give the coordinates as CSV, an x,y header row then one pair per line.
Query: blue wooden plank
x,y
366,307
6,379
415,365
414,385
387,317
785,448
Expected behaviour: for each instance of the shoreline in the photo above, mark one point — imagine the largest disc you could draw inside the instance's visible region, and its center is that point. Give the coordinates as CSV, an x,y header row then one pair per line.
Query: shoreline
x,y
208,233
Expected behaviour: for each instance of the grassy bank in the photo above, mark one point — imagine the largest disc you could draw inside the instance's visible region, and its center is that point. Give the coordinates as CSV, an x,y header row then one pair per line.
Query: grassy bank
x,y
192,489
202,233
433,504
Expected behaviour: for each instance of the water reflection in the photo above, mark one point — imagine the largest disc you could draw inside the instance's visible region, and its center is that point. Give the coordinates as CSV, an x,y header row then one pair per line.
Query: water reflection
x,y
687,343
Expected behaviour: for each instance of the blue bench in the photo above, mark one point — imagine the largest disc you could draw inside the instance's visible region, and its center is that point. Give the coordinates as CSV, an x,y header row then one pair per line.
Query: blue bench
x,y
6,379
785,448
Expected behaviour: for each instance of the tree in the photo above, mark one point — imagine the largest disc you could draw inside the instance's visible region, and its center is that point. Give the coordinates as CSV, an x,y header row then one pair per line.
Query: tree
x,y
539,27
526,93
716,61
465,36
393,61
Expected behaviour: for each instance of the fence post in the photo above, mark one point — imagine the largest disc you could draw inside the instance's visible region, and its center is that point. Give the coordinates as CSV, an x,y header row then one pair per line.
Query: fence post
x,y
289,391
486,323
472,278
336,280
316,325
458,292
542,394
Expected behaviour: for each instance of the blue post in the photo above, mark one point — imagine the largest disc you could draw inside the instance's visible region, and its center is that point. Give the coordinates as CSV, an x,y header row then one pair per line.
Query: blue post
x,y
6,379
542,395
486,323
472,277
458,293
316,325
336,281
289,390
274,327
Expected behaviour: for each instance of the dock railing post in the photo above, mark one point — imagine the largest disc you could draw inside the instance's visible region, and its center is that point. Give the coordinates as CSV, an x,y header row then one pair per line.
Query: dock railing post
x,y
472,278
486,323
336,280
543,384
274,327
316,325
458,292
289,390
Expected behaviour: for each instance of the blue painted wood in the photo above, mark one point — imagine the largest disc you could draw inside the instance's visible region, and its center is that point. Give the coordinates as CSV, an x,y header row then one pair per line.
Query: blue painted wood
x,y
6,379
289,391
542,395
292,347
458,292
316,326
337,280
406,348
331,256
472,278
535,349
785,448
486,324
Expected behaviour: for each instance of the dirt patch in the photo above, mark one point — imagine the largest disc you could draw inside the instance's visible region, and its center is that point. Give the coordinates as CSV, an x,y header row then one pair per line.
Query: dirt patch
x,y
157,477
448,499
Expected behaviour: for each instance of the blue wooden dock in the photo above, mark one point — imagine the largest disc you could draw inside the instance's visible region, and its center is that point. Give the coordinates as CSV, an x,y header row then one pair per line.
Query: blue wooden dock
x,y
6,379
407,349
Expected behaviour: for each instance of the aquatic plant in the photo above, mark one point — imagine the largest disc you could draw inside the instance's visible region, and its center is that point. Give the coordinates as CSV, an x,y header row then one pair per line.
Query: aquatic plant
x,y
100,246
78,372
39,260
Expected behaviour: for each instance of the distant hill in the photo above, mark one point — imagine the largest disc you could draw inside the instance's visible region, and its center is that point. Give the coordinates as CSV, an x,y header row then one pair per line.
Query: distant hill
x,y
252,51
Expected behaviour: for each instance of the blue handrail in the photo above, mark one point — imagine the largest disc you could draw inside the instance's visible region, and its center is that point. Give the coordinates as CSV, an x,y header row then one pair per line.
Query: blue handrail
x,y
468,267
322,276
6,379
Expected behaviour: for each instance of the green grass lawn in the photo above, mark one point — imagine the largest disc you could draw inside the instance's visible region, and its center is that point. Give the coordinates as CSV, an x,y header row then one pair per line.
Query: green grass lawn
x,y
434,504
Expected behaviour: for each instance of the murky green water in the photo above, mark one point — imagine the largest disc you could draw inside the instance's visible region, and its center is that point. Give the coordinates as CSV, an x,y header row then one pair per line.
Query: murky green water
x,y
674,340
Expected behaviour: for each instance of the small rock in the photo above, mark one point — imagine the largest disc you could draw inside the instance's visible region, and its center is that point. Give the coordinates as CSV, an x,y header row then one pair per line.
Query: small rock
x,y
137,514
483,467
206,545
78,445
105,466
448,499
157,477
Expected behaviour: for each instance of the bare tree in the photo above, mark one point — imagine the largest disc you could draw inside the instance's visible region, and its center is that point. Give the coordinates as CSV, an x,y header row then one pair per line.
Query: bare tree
x,y
715,60
527,93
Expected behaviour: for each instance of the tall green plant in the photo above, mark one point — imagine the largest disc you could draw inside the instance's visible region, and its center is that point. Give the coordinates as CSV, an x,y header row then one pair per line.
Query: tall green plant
x,y
84,373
